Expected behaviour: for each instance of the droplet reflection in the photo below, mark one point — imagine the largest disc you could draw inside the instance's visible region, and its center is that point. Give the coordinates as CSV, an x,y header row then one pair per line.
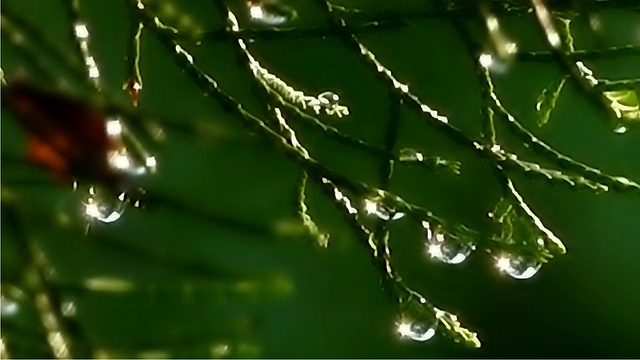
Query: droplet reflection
x,y
444,247
106,211
417,331
329,99
620,129
271,13
518,267
373,207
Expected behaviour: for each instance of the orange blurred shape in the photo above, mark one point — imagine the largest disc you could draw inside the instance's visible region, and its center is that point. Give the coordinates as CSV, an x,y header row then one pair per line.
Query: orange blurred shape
x,y
65,136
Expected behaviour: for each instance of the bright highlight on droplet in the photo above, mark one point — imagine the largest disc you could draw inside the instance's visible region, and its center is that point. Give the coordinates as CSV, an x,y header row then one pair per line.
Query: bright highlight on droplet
x,y
496,148
492,23
151,162
372,207
94,211
329,98
554,38
255,12
270,12
114,127
486,60
416,331
620,130
503,263
122,162
104,212
511,48
445,247
81,31
518,267
94,72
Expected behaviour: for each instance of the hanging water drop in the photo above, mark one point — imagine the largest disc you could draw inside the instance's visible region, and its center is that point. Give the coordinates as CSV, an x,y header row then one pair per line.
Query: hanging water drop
x,y
445,247
329,99
417,330
114,127
271,13
518,267
106,211
373,207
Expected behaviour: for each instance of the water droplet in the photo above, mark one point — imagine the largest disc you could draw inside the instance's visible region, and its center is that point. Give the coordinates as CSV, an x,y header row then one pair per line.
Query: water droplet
x,y
270,13
126,164
518,267
373,207
114,127
445,247
81,31
106,211
417,330
151,162
329,99
486,60
496,149
620,129
8,307
68,308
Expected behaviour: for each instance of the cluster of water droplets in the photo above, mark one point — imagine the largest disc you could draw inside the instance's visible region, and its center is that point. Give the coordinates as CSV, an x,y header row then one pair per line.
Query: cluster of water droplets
x,y
119,157
504,48
103,205
81,32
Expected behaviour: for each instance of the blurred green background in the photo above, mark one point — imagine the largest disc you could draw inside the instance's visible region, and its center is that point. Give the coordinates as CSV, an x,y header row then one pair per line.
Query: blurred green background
x,y
238,277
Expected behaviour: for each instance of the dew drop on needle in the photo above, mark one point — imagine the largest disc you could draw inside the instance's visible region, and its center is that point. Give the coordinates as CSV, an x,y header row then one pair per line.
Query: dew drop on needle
x,y
444,246
270,12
